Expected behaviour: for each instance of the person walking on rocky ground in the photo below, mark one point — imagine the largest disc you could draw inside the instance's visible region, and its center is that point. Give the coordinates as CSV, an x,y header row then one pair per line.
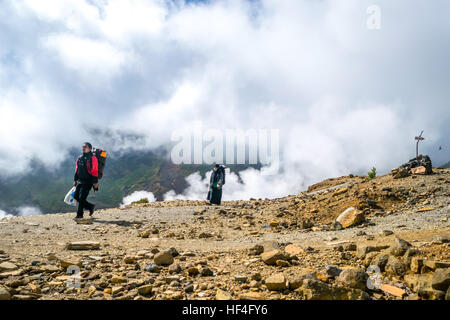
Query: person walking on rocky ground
x,y
86,178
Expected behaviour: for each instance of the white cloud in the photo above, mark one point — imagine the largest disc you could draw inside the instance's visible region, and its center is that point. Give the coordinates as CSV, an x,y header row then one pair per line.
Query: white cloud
x,y
157,121
345,98
88,56
124,18
27,131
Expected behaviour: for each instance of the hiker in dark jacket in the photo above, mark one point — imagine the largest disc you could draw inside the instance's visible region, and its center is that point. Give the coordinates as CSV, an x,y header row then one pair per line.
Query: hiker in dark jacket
x,y
215,185
86,177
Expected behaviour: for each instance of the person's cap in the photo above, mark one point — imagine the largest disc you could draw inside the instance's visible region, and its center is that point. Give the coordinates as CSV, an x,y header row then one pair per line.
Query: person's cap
x,y
87,144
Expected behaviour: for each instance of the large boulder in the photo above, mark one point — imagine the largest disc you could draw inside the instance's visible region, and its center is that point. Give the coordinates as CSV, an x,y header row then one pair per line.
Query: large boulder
x,y
175,268
145,289
363,250
269,245
350,217
333,271
380,260
293,250
398,247
276,282
400,172
416,264
441,279
318,290
421,170
206,271
418,281
431,294
118,279
271,257
66,263
129,259
257,249
223,295
4,294
440,239
409,255
433,264
395,267
296,280
353,278
164,258
422,284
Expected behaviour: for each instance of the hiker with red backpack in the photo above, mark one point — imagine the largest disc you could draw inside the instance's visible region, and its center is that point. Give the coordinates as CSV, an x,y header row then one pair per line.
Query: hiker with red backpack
x,y
88,169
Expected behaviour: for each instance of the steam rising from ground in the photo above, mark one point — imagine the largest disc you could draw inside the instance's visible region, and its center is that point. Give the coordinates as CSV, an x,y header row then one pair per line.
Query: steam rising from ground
x,y
23,211
344,97
252,184
26,211
136,196
3,214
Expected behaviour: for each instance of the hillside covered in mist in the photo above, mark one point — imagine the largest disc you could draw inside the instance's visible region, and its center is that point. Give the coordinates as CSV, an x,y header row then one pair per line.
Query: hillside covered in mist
x,y
45,188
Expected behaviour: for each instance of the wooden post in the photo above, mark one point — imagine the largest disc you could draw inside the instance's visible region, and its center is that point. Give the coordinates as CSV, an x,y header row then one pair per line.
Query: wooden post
x,y
419,138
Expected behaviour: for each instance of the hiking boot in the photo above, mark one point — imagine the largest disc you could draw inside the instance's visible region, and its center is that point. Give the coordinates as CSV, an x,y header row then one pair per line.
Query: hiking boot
x,y
91,210
79,217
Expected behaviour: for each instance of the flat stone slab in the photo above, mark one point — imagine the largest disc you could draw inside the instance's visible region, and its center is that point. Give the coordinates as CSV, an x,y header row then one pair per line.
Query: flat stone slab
x,y
84,221
395,291
7,266
83,245
14,273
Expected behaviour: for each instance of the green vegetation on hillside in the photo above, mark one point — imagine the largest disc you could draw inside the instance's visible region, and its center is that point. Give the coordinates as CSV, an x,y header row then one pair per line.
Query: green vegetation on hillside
x,y
132,171
123,175
372,173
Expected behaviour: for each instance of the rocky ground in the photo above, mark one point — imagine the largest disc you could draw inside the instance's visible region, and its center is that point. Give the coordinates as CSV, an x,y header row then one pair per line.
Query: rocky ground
x,y
393,244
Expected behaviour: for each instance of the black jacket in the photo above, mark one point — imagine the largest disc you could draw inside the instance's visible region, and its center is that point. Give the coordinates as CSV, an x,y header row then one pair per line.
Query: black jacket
x,y
86,170
216,177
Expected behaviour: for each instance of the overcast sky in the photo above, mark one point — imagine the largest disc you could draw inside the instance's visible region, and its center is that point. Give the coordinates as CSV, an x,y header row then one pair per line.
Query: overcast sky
x,y
345,97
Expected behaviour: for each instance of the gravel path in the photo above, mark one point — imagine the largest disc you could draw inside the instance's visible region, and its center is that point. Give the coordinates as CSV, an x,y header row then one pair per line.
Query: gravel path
x,y
118,229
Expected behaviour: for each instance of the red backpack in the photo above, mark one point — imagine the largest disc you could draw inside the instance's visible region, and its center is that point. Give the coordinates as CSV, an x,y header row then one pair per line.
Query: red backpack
x,y
101,157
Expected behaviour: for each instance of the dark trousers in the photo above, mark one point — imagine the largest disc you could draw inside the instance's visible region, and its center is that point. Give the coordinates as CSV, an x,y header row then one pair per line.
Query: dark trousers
x,y
81,194
216,195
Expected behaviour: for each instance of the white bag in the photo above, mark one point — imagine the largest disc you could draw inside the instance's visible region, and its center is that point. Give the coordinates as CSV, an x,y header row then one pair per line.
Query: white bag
x,y
69,199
